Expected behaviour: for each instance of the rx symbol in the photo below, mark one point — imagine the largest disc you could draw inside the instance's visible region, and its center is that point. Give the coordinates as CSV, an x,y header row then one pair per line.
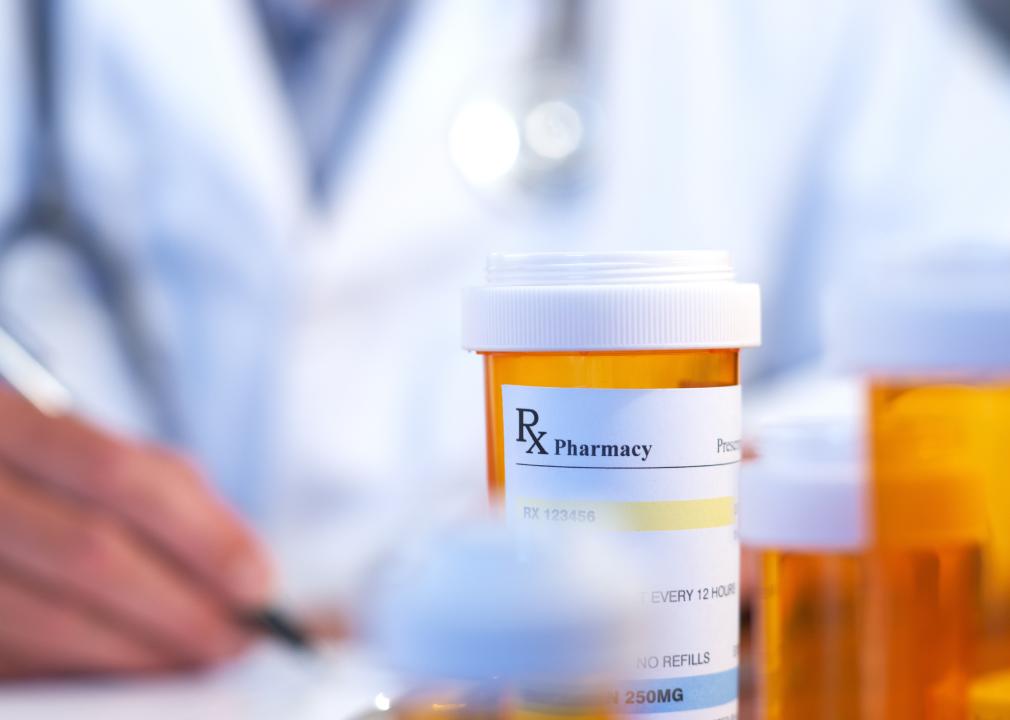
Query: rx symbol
x,y
529,417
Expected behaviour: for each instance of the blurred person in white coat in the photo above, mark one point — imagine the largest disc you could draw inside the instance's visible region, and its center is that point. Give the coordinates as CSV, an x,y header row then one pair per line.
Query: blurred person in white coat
x,y
238,229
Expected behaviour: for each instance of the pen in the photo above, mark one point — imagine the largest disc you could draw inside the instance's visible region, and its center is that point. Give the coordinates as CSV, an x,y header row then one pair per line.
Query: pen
x,y
37,384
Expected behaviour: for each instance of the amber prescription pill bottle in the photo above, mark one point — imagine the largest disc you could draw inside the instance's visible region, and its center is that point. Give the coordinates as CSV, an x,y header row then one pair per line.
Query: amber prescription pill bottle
x,y
930,333
613,404
803,527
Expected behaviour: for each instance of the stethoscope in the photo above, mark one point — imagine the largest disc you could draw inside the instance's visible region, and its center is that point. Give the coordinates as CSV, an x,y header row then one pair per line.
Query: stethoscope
x,y
47,212
532,134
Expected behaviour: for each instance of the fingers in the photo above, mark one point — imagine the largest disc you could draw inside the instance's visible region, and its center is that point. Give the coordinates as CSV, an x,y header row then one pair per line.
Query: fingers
x,y
158,493
91,560
71,642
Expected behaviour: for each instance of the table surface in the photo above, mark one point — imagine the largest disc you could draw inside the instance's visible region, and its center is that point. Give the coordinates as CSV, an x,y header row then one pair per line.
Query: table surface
x,y
269,683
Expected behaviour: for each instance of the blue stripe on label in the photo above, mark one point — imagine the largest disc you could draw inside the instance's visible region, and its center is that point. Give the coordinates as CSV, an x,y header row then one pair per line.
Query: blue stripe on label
x,y
677,694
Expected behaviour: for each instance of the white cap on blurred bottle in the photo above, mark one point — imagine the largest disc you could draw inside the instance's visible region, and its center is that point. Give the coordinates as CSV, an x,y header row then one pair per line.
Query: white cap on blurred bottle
x,y
482,604
805,490
944,309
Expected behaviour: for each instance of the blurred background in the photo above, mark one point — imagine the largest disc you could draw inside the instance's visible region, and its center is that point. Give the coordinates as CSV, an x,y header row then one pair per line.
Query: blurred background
x,y
240,227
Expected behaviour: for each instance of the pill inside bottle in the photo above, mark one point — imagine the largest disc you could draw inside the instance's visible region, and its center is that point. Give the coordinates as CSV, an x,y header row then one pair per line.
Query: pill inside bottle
x,y
989,697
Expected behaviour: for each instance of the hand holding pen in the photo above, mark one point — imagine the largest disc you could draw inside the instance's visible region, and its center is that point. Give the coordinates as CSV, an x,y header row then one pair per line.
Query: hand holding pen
x,y
115,556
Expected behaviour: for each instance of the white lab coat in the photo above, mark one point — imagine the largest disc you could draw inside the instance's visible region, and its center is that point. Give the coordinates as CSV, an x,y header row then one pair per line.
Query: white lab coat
x,y
309,357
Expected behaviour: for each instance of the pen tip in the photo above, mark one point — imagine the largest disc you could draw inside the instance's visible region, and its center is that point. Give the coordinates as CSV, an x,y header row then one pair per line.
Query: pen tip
x,y
272,622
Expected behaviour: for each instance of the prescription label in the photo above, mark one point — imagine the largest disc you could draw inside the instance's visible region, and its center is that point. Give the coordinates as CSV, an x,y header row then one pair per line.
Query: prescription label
x,y
658,468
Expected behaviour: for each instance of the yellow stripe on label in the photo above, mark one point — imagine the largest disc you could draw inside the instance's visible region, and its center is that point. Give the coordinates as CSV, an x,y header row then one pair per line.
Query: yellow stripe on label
x,y
630,516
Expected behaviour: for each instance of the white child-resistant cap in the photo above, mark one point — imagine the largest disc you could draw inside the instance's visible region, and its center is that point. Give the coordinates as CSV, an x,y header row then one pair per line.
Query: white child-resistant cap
x,y
945,309
542,302
806,490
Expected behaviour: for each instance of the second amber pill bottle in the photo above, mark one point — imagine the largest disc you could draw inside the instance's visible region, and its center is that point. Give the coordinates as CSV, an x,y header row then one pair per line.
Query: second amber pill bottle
x,y
929,332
